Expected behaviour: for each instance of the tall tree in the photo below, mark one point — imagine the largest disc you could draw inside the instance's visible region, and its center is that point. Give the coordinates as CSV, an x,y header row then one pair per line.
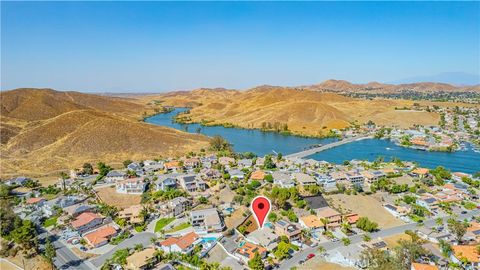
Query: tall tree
x,y
256,262
50,252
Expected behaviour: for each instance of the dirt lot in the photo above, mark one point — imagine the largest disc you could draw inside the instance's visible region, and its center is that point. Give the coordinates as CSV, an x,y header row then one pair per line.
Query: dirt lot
x,y
367,206
111,197
35,263
319,263
392,240
236,218
404,179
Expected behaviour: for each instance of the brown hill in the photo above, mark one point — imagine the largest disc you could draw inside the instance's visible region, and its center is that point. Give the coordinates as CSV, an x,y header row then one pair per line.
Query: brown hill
x,y
306,112
50,130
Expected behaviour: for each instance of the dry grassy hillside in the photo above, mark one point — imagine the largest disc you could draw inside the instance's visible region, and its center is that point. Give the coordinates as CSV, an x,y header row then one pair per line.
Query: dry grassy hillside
x,y
45,130
305,112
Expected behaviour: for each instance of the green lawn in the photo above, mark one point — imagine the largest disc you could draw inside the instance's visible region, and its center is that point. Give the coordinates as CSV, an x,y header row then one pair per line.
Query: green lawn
x,y
162,223
50,222
179,227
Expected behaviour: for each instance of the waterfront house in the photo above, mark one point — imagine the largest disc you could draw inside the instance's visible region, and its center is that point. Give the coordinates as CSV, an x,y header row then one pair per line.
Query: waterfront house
x,y
142,259
132,214
333,218
86,221
115,176
131,186
206,220
191,183
420,172
183,244
100,236
283,227
372,176
165,182
354,178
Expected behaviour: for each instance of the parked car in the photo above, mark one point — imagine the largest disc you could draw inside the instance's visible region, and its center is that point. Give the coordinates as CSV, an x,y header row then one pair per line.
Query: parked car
x,y
309,256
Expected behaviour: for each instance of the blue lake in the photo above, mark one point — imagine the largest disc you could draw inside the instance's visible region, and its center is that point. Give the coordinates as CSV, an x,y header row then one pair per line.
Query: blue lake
x,y
262,143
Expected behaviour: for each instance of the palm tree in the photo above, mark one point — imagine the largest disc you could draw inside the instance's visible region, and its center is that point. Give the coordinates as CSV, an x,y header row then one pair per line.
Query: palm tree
x,y
321,249
325,222
439,221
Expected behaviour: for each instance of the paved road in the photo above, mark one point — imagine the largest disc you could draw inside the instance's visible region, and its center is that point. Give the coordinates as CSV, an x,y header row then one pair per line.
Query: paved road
x,y
142,238
294,261
312,151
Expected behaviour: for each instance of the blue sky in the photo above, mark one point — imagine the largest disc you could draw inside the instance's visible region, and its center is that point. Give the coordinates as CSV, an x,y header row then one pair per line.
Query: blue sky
x,y
160,46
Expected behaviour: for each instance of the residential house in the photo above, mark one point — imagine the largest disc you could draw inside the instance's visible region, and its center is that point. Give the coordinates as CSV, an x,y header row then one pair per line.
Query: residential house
x,y
176,206
165,182
420,172
312,223
191,163
86,221
100,236
282,179
132,214
245,163
333,218
467,256
206,220
78,209
172,166
283,227
355,178
115,176
422,266
19,181
457,176
351,218
236,174
257,175
191,183
35,202
247,251
304,179
372,176
131,186
265,237
429,202
183,244
141,260
473,233
431,235
151,166
397,211
339,176
226,161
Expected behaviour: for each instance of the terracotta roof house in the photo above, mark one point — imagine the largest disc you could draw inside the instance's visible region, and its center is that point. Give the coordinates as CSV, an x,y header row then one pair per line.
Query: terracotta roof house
x,y
257,175
421,266
351,218
86,221
36,201
184,244
311,222
468,256
172,165
141,260
100,236
420,172
247,251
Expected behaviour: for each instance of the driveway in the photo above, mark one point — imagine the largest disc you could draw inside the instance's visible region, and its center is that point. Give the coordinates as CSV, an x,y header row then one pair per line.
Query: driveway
x,y
142,238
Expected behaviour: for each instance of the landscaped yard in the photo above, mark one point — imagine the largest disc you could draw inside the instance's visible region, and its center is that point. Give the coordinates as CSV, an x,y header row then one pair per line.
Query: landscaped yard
x,y
50,222
180,227
162,223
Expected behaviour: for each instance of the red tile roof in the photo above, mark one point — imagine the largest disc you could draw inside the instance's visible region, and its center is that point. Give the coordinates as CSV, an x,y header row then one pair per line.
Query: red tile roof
x,y
84,219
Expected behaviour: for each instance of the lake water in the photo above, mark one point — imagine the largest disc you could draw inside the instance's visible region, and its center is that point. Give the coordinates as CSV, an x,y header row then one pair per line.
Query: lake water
x,y
261,143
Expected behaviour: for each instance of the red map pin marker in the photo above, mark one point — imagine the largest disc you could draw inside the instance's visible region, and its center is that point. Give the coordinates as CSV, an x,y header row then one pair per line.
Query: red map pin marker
x,y
260,207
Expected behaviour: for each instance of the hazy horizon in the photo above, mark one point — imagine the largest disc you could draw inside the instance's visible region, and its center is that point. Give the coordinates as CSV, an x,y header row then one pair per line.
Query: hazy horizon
x,y
143,47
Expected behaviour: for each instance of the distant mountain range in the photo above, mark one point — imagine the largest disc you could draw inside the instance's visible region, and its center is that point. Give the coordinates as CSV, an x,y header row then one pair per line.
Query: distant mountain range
x,y
454,78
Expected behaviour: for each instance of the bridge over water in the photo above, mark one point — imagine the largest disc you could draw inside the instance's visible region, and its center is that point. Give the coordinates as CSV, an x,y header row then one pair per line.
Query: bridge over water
x,y
314,150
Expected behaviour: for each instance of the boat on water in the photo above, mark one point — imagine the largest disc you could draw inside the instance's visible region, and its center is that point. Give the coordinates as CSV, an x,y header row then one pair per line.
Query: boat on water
x,y
388,148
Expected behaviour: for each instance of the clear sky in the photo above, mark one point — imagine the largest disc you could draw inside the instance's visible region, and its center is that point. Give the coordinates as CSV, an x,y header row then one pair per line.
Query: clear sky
x,y
160,46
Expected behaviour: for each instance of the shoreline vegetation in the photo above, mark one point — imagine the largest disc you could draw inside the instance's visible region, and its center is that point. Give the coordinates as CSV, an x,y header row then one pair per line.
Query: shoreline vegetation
x,y
275,127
